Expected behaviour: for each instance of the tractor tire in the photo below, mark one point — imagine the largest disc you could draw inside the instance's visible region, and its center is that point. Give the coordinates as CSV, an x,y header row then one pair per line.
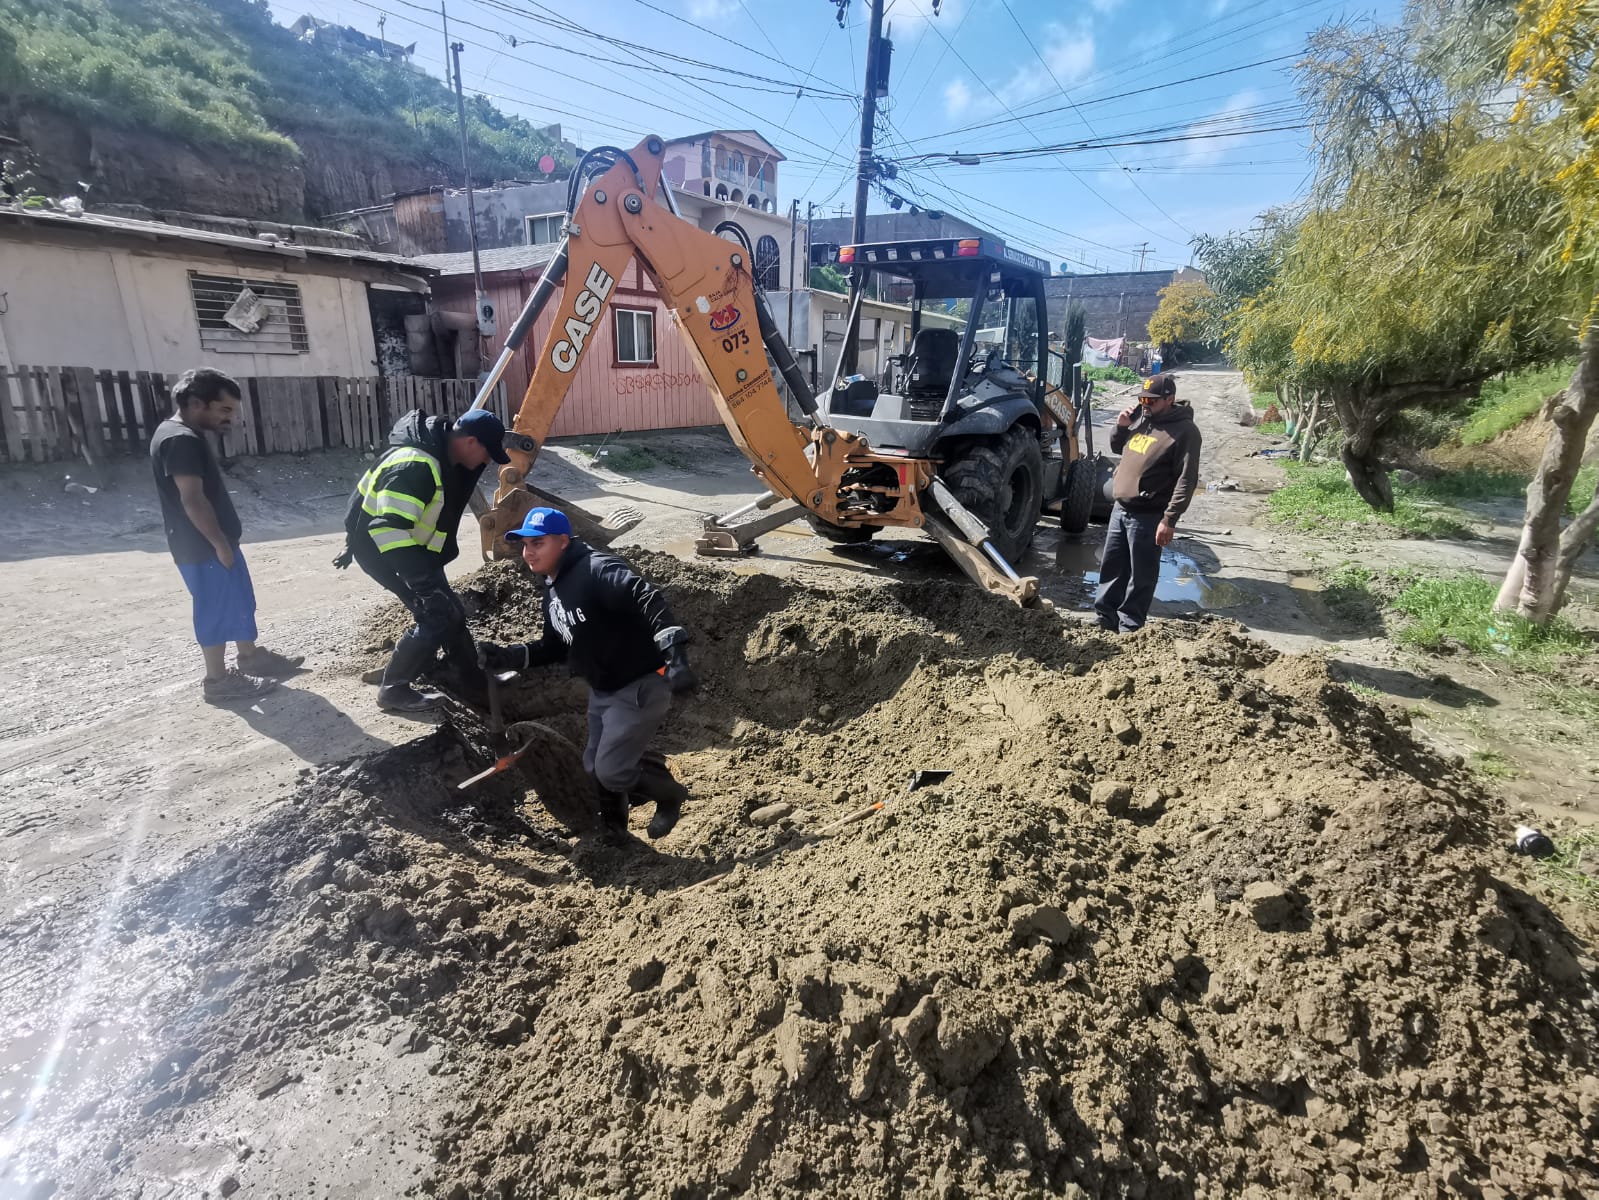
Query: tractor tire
x,y
842,535
1001,481
1077,506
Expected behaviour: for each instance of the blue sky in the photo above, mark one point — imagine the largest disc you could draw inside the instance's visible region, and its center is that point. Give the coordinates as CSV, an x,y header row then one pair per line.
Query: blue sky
x,y
965,81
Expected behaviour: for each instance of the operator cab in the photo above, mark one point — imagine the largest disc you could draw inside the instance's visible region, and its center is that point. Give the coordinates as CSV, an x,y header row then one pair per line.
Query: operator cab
x,y
969,364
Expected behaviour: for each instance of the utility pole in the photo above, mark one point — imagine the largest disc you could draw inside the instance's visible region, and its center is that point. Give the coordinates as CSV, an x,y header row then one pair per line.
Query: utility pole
x,y
485,311
445,18
793,262
863,171
1142,250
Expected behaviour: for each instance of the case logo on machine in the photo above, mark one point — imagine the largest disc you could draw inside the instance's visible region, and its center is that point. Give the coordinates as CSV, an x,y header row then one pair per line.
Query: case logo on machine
x,y
725,318
588,306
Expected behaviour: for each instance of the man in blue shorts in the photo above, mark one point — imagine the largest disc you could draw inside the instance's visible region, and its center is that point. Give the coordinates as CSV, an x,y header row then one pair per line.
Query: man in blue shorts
x,y
203,533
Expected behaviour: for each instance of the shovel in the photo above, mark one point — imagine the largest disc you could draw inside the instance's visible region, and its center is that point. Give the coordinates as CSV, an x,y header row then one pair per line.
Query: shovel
x,y
917,781
561,784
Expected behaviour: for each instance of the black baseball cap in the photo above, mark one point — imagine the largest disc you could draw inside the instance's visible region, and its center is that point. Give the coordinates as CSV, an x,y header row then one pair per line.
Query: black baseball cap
x,y
488,429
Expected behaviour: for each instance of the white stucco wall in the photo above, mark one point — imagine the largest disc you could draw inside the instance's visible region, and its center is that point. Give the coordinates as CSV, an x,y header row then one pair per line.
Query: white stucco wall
x,y
125,310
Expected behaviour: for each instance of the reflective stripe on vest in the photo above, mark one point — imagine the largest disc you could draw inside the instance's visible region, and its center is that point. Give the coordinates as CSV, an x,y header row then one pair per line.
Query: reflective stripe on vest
x,y
424,518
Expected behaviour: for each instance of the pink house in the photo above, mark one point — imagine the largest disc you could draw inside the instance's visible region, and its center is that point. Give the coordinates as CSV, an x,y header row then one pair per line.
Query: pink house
x,y
738,166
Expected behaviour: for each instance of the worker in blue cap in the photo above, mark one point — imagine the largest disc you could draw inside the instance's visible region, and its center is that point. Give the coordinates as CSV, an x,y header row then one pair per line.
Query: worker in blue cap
x,y
400,529
614,630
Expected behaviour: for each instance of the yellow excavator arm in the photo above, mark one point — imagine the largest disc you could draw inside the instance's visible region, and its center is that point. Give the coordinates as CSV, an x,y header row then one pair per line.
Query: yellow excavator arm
x,y
705,281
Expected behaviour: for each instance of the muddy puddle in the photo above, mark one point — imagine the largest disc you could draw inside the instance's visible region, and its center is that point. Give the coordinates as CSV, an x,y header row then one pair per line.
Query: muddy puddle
x,y
1181,578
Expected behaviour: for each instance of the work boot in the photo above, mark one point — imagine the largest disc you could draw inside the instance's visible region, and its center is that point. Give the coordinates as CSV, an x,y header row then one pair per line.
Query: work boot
x,y
236,687
657,783
396,693
403,698
460,673
611,809
269,664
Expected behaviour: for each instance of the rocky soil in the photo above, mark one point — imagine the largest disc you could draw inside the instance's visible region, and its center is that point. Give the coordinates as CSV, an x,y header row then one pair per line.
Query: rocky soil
x,y
1186,918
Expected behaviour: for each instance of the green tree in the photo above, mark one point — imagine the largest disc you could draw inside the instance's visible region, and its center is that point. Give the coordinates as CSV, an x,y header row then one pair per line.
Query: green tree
x,y
1182,314
1409,279
829,279
1552,62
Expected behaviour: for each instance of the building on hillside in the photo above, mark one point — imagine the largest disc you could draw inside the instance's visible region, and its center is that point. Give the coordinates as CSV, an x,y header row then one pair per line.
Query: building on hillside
x,y
120,293
738,166
1118,305
344,37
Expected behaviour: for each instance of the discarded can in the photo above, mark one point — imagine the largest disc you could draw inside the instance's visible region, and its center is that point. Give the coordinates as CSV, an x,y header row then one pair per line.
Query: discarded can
x,y
1533,842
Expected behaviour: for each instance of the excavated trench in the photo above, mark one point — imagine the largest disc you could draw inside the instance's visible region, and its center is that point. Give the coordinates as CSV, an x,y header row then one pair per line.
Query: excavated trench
x,y
1186,918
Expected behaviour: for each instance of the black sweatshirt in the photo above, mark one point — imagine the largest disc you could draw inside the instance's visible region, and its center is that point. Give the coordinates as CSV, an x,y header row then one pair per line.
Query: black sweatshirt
x,y
1160,463
601,618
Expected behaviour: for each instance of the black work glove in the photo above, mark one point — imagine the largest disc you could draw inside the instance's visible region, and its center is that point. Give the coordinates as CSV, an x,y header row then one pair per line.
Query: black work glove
x,y
680,676
344,558
492,657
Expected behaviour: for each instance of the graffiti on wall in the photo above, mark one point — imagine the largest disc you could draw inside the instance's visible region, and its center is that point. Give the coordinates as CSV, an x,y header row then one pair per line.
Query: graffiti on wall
x,y
654,381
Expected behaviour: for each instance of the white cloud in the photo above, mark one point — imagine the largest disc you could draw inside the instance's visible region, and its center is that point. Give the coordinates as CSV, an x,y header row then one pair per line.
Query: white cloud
x,y
1209,151
1103,7
1069,53
707,10
912,18
957,97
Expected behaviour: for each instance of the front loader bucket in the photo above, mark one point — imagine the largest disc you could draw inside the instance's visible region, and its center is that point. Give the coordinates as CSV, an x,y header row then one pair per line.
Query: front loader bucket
x,y
500,519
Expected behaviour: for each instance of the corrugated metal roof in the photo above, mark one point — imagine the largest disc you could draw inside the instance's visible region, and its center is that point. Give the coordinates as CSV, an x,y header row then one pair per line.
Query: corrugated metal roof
x,y
500,258
158,231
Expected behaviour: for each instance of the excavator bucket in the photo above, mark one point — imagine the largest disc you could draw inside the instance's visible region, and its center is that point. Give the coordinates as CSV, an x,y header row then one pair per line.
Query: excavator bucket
x,y
499,519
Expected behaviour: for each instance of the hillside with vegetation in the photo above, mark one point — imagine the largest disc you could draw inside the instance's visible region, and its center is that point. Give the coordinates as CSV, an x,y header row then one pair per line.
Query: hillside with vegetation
x,y
144,99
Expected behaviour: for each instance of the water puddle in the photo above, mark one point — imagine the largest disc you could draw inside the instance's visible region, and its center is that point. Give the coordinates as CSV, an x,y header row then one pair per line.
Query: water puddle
x,y
1180,578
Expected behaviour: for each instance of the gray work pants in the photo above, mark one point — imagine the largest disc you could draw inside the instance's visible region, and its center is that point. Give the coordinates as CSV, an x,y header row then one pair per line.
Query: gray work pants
x,y
621,726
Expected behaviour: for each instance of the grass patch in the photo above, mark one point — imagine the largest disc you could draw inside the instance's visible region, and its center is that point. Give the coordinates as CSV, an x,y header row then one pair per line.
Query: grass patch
x,y
1319,498
1366,692
1508,401
1262,400
1457,610
1570,701
627,458
1574,866
1272,428
1113,374
1493,764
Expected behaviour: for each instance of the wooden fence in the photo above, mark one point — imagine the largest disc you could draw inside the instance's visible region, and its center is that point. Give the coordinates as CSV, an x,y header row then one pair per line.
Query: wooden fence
x,y
49,414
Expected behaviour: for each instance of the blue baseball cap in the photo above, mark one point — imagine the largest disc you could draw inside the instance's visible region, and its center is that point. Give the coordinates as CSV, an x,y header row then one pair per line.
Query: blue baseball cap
x,y
539,522
488,429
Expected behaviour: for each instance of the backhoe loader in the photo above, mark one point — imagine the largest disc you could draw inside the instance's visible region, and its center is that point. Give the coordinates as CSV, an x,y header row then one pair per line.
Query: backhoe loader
x,y
967,448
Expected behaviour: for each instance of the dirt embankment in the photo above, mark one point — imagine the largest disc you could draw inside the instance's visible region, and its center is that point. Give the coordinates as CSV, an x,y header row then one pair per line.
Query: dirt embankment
x,y
1187,919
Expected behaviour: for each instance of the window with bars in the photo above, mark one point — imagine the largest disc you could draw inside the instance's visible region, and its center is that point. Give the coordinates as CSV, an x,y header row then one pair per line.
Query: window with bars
x,y
269,320
768,264
544,229
635,336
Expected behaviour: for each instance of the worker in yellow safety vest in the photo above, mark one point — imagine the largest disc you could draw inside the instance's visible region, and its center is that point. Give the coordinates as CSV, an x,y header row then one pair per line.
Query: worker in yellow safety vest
x,y
400,529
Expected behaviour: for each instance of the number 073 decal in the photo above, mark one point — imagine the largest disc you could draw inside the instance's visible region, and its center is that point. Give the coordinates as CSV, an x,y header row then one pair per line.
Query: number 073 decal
x,y
739,337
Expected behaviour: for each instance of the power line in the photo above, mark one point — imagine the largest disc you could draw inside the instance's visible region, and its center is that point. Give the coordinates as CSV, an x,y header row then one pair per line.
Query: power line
x,y
1000,101
1041,61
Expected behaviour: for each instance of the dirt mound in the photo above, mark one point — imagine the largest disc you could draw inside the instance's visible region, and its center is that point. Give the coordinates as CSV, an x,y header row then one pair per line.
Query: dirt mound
x,y
1186,918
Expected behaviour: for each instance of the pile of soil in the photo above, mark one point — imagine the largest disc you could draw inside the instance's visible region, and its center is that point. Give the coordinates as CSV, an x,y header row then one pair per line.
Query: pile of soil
x,y
1186,918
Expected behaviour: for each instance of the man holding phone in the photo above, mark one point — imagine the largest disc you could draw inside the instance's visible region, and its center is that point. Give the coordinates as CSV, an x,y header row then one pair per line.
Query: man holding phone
x,y
1159,444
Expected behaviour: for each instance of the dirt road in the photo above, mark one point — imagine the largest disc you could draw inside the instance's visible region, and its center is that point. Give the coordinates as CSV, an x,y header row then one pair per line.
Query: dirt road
x,y
114,773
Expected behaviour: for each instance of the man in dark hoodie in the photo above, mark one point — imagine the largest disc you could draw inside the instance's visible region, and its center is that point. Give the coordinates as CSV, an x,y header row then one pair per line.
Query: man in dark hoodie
x,y
613,629
1154,483
400,529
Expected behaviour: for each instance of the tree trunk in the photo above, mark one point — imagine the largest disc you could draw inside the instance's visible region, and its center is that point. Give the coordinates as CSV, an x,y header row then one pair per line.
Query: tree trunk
x,y
1361,418
1311,422
1535,583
